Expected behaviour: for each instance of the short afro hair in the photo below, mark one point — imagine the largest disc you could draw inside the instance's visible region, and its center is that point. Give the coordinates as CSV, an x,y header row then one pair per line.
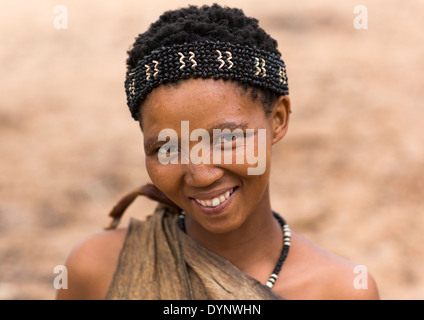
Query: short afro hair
x,y
206,23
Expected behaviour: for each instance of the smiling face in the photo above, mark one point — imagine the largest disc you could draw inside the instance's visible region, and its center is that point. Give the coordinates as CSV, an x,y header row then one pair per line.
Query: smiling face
x,y
219,197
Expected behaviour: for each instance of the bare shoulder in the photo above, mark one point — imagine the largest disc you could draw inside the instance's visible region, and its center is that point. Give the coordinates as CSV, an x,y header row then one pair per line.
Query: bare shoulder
x,y
91,265
325,276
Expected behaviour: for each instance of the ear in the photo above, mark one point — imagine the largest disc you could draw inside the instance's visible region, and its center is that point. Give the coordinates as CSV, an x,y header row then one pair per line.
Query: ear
x,y
280,118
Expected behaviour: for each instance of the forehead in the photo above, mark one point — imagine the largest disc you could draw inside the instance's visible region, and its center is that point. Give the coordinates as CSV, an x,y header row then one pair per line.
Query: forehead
x,y
200,101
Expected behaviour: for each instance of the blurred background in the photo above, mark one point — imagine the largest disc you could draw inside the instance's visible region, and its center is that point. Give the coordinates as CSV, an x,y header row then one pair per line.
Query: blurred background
x,y
348,176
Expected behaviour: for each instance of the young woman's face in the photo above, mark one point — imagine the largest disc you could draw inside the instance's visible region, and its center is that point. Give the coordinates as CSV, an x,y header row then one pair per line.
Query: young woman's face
x,y
218,195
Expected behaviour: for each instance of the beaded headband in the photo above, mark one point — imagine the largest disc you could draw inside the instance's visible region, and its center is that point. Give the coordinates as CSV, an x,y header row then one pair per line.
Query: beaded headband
x,y
206,59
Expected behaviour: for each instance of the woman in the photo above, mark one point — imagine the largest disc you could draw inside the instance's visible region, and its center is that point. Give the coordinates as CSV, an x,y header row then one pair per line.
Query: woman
x,y
210,92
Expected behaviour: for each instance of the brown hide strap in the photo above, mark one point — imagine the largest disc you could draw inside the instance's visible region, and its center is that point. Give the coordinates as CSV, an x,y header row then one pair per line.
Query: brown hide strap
x,y
149,190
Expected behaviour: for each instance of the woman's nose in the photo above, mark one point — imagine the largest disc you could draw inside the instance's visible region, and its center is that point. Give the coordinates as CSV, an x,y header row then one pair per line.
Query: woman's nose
x,y
202,175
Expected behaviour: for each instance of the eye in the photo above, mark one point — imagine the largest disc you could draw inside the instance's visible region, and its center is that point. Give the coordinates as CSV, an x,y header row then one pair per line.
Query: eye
x,y
167,151
225,139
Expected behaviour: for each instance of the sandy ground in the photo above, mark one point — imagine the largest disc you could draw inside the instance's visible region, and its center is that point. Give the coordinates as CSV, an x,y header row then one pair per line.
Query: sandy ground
x,y
348,176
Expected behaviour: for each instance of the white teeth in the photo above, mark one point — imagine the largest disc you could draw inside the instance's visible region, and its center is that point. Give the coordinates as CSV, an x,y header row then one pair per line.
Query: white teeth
x,y
215,201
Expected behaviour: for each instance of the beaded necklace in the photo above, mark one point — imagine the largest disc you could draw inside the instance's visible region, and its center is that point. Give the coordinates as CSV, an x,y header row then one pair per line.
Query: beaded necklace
x,y
284,252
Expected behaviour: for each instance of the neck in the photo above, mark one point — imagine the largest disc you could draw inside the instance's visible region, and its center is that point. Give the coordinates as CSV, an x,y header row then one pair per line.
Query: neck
x,y
254,247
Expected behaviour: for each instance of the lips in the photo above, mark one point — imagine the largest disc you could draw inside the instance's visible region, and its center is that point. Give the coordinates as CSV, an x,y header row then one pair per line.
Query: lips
x,y
216,200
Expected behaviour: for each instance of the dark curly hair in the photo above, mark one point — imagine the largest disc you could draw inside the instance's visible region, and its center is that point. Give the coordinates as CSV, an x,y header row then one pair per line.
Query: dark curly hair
x,y
214,23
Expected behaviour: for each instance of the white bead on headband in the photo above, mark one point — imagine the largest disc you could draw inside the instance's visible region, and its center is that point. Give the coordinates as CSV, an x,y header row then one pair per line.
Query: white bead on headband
x,y
205,59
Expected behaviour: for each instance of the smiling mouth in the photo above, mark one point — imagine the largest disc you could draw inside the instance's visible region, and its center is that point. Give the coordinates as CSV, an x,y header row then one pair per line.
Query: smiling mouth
x,y
214,202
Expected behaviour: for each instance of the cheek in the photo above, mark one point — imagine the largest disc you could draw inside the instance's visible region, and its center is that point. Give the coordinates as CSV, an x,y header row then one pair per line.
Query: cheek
x,y
260,159
252,158
163,176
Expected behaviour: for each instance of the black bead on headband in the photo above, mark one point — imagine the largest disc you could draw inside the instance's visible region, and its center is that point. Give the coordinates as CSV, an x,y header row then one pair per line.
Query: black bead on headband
x,y
206,59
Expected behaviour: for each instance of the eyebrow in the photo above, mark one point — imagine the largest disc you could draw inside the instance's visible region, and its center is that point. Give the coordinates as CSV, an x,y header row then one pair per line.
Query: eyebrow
x,y
231,126
151,143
